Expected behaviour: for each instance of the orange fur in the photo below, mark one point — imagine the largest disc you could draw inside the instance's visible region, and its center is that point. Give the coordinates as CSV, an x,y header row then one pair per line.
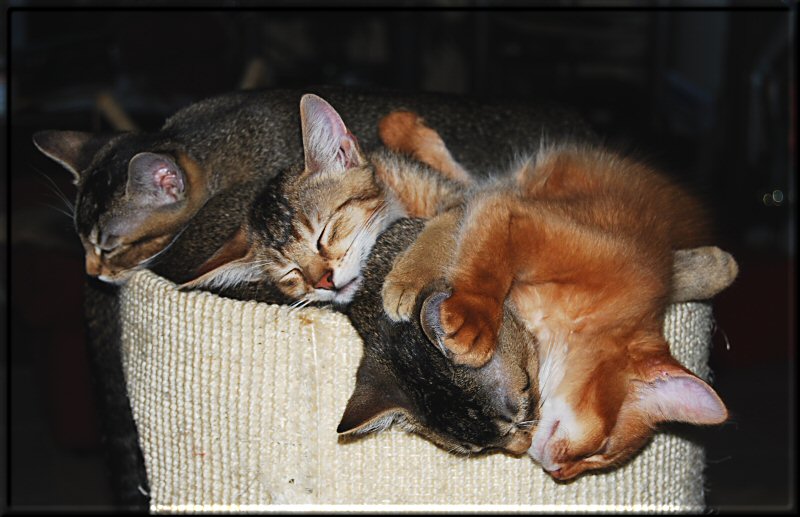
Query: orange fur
x,y
422,192
581,243
406,132
593,235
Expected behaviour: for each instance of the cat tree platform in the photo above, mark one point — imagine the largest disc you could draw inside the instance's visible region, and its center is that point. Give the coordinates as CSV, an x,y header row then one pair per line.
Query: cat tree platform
x,y
237,404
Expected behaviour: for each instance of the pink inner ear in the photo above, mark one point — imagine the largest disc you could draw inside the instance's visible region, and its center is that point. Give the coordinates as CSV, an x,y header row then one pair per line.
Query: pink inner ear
x,y
347,150
326,140
683,398
169,182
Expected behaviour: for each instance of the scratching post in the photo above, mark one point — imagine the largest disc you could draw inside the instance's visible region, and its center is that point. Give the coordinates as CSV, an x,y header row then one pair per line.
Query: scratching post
x,y
237,404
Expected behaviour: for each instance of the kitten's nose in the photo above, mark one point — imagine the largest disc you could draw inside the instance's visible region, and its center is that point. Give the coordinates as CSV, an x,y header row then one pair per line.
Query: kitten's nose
x,y
93,265
325,281
519,443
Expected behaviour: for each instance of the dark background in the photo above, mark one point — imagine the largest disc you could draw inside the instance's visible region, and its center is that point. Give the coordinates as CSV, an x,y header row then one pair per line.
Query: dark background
x,y
708,95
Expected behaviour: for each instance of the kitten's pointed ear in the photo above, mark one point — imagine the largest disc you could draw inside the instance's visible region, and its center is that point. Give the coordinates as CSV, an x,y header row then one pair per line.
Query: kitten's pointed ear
x,y
231,264
156,179
74,150
673,394
375,401
327,144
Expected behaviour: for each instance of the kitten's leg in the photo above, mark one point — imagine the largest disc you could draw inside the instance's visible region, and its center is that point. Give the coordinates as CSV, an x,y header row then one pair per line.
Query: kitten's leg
x,y
425,261
481,278
701,273
406,132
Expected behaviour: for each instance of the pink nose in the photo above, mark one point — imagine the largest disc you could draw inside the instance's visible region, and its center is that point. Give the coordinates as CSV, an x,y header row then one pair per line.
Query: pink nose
x,y
326,281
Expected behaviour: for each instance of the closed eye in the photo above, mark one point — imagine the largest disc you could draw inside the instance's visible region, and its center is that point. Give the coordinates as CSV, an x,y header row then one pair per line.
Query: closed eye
x,y
594,455
328,234
291,277
527,383
104,247
112,251
602,449
318,245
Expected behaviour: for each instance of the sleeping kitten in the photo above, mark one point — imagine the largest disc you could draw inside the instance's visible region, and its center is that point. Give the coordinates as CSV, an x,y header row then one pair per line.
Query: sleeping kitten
x,y
336,207
402,379
698,273
138,193
580,242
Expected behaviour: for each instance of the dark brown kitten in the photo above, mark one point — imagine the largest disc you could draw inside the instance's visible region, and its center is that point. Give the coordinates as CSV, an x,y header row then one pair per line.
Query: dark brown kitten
x,y
403,379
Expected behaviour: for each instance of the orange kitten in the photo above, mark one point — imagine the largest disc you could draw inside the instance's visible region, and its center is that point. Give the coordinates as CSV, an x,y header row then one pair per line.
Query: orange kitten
x,y
581,242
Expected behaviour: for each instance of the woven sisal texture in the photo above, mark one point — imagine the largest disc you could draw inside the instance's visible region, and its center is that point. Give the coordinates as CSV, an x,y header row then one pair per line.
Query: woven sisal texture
x,y
237,405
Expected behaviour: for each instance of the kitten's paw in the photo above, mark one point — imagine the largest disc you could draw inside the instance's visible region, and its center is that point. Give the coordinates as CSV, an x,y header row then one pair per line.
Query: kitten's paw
x,y
400,291
400,296
470,323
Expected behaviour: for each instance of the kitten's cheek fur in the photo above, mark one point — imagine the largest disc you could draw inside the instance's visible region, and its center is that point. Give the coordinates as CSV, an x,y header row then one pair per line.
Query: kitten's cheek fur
x,y
558,423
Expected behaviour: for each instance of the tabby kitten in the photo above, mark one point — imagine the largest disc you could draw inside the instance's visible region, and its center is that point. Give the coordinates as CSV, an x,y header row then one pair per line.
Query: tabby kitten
x,y
136,192
336,207
580,242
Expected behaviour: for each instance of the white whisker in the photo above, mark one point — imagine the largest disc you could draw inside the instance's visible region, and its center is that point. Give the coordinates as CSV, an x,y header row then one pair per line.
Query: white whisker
x,y
300,304
553,351
53,187
59,210
366,225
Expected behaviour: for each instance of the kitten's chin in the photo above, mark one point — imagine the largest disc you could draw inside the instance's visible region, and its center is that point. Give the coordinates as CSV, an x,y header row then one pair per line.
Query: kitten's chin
x,y
117,279
345,294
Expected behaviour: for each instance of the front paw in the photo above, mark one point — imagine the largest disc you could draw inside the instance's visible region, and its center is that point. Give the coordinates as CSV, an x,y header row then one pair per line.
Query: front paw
x,y
470,323
399,294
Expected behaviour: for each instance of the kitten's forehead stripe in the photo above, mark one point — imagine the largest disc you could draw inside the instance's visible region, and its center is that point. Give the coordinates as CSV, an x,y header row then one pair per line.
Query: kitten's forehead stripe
x,y
303,220
295,232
